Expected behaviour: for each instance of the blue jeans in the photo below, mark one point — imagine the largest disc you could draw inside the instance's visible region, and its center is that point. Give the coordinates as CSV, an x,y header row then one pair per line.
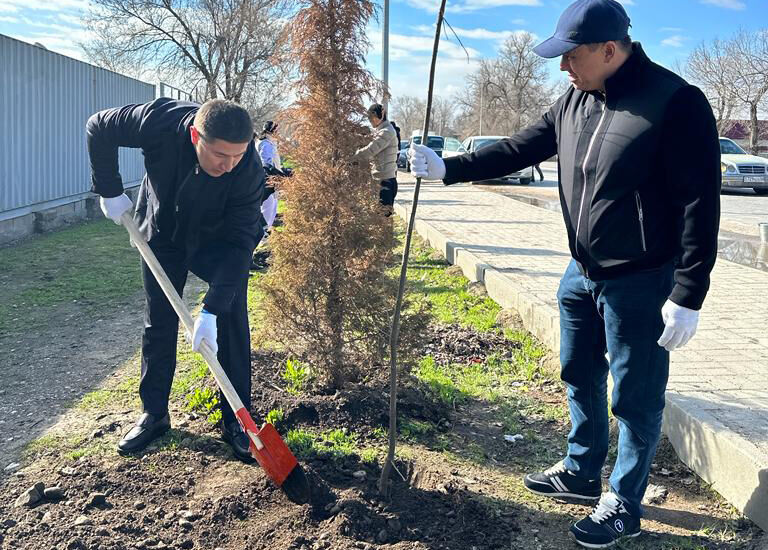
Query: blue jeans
x,y
623,317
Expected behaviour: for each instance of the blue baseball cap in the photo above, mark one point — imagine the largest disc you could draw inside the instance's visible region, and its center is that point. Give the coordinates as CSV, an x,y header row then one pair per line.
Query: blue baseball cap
x,y
586,22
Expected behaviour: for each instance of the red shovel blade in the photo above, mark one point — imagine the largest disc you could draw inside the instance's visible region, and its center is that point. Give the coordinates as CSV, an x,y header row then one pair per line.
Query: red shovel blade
x,y
275,458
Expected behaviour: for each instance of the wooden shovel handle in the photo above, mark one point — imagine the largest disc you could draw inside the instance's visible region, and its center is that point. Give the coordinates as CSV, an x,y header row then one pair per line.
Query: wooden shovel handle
x,y
181,310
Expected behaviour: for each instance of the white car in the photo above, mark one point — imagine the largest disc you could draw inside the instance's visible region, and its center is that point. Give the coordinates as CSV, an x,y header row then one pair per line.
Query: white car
x,y
475,143
452,148
742,170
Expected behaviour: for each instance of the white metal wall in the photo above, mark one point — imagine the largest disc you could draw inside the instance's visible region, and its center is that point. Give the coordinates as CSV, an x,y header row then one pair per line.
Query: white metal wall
x,y
45,101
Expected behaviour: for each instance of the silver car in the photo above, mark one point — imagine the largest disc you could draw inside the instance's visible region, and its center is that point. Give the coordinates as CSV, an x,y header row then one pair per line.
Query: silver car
x,y
742,170
475,143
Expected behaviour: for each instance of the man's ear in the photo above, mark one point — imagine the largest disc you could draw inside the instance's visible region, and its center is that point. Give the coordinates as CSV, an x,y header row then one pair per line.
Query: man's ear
x,y
194,135
610,51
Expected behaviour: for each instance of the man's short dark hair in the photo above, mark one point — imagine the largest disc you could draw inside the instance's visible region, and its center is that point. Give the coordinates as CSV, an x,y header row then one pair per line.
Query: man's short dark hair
x,y
224,120
624,44
377,110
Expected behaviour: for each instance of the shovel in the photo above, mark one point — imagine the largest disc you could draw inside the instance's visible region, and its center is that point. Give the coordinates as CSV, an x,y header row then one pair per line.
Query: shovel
x,y
266,445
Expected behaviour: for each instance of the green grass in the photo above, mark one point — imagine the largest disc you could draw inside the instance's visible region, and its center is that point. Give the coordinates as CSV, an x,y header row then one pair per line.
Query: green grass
x,y
447,294
296,376
275,416
414,429
91,265
122,394
337,443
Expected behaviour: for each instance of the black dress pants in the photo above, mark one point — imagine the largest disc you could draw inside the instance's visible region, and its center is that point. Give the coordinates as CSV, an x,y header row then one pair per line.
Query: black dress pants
x,y
161,326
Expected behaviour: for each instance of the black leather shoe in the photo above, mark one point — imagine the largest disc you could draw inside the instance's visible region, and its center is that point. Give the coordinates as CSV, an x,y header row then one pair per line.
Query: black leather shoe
x,y
233,434
147,428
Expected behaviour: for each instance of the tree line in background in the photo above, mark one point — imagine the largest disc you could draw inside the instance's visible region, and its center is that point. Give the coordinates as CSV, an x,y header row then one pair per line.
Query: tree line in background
x,y
510,92
232,49
733,73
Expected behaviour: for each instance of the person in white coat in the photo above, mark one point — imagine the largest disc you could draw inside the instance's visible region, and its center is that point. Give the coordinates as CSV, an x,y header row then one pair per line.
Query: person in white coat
x,y
266,146
270,159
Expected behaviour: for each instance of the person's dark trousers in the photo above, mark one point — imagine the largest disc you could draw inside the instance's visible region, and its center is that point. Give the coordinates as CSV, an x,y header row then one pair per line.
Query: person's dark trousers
x,y
388,191
161,325
623,317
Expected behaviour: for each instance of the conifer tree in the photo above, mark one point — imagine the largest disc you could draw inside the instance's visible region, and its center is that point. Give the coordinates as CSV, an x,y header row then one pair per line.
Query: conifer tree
x,y
327,297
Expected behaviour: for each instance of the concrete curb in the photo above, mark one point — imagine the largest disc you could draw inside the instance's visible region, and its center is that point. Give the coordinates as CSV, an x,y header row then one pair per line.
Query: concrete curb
x,y
727,460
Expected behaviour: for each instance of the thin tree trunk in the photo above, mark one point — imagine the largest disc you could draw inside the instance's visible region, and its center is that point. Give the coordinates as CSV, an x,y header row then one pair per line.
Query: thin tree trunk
x,y
395,332
754,130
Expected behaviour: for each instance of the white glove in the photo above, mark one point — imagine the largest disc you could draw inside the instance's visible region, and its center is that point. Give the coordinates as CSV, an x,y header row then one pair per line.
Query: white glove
x,y
679,325
425,163
205,329
115,207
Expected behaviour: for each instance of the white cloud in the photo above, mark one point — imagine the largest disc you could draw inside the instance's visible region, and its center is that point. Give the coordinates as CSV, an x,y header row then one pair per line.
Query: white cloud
x,y
477,34
8,8
71,19
43,5
7,19
728,4
58,44
463,6
475,5
674,41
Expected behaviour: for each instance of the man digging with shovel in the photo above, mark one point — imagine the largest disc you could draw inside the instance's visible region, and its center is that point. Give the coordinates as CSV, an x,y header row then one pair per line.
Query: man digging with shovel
x,y
199,209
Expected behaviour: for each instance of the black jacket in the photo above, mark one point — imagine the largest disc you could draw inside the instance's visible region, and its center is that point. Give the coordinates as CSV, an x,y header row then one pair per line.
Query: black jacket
x,y
178,202
639,172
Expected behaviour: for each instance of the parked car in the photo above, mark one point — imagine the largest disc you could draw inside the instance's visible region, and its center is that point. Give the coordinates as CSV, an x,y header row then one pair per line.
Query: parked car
x,y
435,143
475,143
741,169
452,148
402,154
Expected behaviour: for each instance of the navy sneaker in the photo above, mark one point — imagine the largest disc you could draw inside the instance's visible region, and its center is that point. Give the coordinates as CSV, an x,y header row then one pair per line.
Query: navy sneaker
x,y
608,523
559,482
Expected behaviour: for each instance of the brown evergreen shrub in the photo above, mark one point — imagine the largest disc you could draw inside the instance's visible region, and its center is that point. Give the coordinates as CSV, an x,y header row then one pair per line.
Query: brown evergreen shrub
x,y
328,299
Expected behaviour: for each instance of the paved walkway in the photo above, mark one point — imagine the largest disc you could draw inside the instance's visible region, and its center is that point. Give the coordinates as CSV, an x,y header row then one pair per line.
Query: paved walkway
x,y
717,411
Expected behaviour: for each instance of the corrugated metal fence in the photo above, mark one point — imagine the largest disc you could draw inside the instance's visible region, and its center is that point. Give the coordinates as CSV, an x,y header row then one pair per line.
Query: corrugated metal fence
x,y
45,100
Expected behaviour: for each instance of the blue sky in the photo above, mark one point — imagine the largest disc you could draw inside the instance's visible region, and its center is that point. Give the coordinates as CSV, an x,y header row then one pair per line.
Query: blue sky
x,y
668,29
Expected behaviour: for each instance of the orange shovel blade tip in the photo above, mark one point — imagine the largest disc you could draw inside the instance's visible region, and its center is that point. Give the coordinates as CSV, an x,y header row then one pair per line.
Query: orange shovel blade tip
x,y
276,459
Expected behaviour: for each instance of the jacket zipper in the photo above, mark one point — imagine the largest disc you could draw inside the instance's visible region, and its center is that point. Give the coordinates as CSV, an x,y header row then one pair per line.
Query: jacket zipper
x,y
584,168
196,170
640,217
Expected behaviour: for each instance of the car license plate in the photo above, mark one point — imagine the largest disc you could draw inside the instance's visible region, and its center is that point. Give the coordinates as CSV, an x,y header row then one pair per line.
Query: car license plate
x,y
754,179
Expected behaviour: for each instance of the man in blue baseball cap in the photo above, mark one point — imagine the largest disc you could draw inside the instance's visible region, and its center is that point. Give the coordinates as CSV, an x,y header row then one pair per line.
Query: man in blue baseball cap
x,y
642,230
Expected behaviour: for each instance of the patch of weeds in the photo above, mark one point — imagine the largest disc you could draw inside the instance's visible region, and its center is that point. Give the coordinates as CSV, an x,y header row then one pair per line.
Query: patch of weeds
x,y
528,355
415,429
206,401
51,444
94,447
438,381
296,375
190,370
369,456
379,433
475,380
301,442
338,443
275,416
509,417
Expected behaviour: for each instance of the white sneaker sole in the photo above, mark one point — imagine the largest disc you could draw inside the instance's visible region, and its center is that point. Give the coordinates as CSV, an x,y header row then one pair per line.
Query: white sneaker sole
x,y
562,495
607,544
